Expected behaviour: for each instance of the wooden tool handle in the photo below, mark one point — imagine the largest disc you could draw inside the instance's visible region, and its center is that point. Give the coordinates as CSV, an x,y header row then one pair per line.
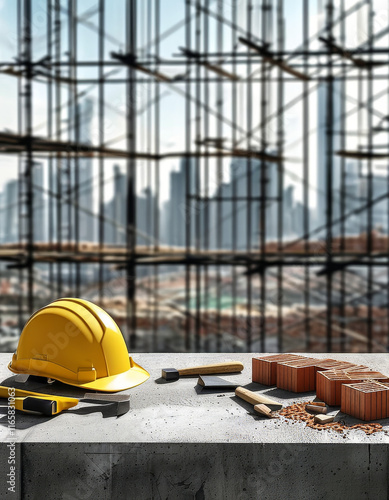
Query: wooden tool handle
x,y
264,410
254,398
230,367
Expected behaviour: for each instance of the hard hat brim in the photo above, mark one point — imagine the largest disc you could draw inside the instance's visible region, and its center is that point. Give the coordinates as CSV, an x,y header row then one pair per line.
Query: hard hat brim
x,y
133,377
136,375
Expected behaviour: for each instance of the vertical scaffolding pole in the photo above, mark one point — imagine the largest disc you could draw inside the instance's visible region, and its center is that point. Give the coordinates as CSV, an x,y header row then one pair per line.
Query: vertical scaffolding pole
x,y
51,192
306,173
27,55
188,138
343,192
234,114
280,170
193,202
248,180
21,306
205,207
157,165
69,194
387,219
266,23
58,119
101,142
370,183
329,176
219,176
131,174
146,16
76,211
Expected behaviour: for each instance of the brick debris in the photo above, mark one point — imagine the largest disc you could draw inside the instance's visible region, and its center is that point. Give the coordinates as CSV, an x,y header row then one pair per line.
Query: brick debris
x,y
298,412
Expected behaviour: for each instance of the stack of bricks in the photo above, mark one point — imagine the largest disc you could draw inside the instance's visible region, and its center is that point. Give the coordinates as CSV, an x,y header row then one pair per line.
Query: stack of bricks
x,y
329,383
366,400
361,392
297,374
265,367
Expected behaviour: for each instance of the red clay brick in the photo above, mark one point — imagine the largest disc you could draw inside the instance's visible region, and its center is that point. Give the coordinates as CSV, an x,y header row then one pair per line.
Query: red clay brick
x,y
297,375
265,368
366,400
329,383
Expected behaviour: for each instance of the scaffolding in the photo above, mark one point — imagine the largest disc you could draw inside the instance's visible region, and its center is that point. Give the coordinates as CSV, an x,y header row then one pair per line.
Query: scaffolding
x,y
234,262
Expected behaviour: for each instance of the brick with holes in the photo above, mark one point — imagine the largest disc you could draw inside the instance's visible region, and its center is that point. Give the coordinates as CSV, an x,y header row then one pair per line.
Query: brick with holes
x,y
329,383
366,400
297,375
265,367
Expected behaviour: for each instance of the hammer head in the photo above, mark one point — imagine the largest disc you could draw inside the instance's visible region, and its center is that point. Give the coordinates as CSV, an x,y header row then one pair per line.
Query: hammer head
x,y
170,374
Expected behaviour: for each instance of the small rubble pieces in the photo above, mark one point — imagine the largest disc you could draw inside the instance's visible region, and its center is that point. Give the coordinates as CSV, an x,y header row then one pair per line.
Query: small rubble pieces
x,y
316,408
323,419
298,412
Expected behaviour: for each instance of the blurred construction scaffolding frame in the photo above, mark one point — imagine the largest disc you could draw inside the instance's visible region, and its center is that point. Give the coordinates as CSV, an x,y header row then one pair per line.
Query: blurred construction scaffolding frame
x,y
255,67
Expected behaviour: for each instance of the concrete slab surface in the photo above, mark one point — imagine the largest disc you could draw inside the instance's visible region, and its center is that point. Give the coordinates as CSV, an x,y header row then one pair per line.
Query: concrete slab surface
x,y
179,411
178,441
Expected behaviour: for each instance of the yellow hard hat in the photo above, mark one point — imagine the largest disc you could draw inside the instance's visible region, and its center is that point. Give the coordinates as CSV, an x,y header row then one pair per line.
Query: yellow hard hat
x,y
78,343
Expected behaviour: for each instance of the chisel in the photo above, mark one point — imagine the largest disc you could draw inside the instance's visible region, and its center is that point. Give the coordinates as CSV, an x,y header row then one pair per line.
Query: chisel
x,y
229,367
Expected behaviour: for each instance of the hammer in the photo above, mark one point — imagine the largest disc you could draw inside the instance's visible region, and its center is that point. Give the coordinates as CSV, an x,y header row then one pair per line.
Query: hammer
x,y
230,367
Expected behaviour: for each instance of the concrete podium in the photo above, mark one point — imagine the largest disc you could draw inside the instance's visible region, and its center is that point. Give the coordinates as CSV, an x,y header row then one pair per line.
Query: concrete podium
x,y
181,442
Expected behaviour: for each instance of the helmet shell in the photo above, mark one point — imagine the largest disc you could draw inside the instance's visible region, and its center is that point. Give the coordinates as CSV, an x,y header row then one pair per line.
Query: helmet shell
x,y
78,343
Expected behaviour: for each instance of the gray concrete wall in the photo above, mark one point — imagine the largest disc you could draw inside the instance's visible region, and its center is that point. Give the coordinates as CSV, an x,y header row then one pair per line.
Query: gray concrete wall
x,y
202,471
